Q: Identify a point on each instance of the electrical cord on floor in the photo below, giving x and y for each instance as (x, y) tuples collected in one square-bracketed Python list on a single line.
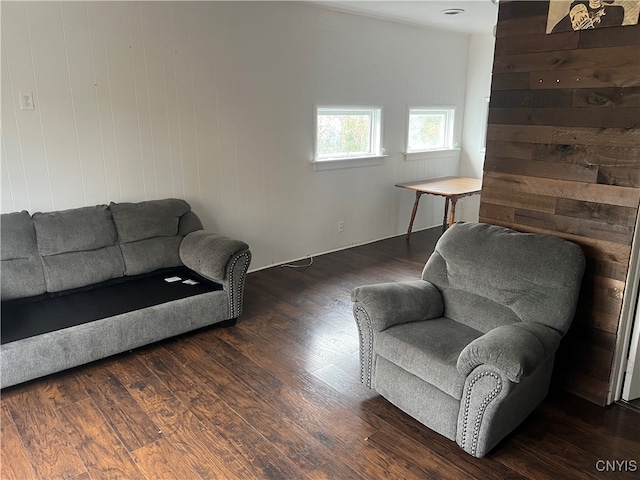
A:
[(290, 265)]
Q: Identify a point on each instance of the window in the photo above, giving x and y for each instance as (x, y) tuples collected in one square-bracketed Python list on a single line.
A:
[(430, 129), (344, 133)]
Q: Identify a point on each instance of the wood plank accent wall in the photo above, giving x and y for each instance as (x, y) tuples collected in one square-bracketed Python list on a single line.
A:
[(563, 158)]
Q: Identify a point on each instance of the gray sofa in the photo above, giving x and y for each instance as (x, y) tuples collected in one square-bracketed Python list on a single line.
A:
[(468, 349), (82, 284)]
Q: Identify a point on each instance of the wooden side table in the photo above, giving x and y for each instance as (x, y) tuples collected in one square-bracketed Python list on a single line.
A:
[(451, 188)]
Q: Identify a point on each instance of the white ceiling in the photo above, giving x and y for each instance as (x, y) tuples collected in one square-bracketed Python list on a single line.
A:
[(479, 16)]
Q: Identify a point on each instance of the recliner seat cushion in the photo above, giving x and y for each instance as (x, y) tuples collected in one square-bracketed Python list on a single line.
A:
[(429, 350)]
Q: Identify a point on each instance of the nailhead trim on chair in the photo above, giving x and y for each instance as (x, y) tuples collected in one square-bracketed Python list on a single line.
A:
[(365, 376), (483, 406), (234, 309)]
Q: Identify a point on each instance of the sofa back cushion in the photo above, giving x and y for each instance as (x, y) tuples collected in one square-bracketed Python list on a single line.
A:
[(150, 233), (22, 274), (78, 247), (62, 250), (491, 276)]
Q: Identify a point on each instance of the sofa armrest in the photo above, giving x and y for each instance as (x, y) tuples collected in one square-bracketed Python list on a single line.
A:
[(516, 349), (389, 304), (209, 254)]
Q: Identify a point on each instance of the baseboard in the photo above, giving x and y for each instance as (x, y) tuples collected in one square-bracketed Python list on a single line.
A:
[(346, 247)]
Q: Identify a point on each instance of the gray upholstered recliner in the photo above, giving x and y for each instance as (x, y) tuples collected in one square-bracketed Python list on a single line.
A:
[(468, 350)]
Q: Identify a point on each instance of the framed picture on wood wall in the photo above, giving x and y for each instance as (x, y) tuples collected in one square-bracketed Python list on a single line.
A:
[(570, 15)]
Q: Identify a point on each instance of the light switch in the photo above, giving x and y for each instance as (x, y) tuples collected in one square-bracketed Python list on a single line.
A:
[(26, 101)]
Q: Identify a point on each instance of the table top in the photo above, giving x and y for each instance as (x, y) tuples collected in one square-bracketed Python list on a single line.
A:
[(447, 186)]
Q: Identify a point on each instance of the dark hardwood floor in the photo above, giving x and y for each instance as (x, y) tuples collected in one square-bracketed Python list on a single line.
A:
[(277, 396)]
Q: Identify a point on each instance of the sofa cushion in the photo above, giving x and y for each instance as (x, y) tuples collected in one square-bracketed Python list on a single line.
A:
[(151, 254), (75, 230), (22, 274), (150, 233), (22, 277), (189, 222), (77, 269), (17, 236), (429, 349), (154, 218), (78, 247)]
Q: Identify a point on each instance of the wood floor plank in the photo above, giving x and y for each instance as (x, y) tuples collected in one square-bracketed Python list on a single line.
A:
[(206, 451), (162, 407), (402, 449), (338, 429), (263, 409), (197, 445), (191, 392), (82, 476), (14, 463), (259, 343), (161, 460), (282, 431), (45, 440), (131, 423), (563, 456), (335, 431), (64, 389), (583, 421), (101, 450), (295, 403), (256, 451)]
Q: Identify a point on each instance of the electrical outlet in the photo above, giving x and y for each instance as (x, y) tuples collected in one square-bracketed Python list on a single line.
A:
[(26, 101), (341, 226)]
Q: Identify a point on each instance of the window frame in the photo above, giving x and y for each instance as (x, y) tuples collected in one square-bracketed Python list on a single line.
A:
[(374, 156), (450, 118)]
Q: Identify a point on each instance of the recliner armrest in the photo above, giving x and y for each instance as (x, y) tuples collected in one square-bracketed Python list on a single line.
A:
[(389, 304), (516, 349), (209, 253)]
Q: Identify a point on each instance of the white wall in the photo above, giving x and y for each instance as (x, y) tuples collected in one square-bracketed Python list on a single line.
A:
[(481, 47), (213, 102)]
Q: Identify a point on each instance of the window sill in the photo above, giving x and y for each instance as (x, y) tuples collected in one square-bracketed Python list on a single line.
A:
[(348, 162), (428, 154)]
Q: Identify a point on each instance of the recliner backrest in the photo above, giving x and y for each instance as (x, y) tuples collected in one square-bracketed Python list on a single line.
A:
[(491, 276)]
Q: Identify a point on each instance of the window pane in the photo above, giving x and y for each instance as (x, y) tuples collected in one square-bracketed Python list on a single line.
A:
[(344, 134), (427, 131)]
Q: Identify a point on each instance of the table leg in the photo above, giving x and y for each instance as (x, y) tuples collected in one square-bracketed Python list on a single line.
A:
[(446, 212), (413, 213), (452, 217)]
